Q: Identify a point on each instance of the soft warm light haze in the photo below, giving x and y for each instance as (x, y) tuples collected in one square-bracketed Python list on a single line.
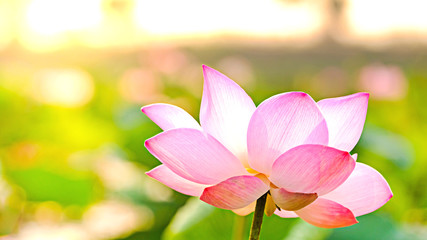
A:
[(46, 25)]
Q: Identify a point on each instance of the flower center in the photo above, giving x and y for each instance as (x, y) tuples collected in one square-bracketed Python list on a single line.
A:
[(280, 198), (252, 171)]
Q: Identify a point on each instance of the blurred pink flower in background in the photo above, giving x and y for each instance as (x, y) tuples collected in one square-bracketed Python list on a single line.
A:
[(140, 86), (383, 82), (168, 60), (295, 149)]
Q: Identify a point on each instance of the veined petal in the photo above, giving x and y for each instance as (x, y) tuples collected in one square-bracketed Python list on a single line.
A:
[(164, 175), (283, 122), (345, 117), (363, 192), (327, 214), (285, 214), (291, 201), (236, 192), (312, 169), (168, 116), (194, 155), (225, 111)]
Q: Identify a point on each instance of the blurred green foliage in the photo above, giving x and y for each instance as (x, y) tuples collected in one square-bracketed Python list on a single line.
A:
[(81, 156)]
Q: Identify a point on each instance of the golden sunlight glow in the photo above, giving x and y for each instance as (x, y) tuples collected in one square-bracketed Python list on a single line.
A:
[(63, 87), (53, 24), (48, 17), (6, 27), (261, 17), (46, 25), (380, 17)]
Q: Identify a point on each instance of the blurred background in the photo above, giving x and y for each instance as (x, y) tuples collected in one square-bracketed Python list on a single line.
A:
[(74, 74)]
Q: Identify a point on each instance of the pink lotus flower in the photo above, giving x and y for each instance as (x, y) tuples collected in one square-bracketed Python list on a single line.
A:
[(289, 145)]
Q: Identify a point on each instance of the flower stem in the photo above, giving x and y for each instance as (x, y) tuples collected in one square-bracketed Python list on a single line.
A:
[(258, 215)]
